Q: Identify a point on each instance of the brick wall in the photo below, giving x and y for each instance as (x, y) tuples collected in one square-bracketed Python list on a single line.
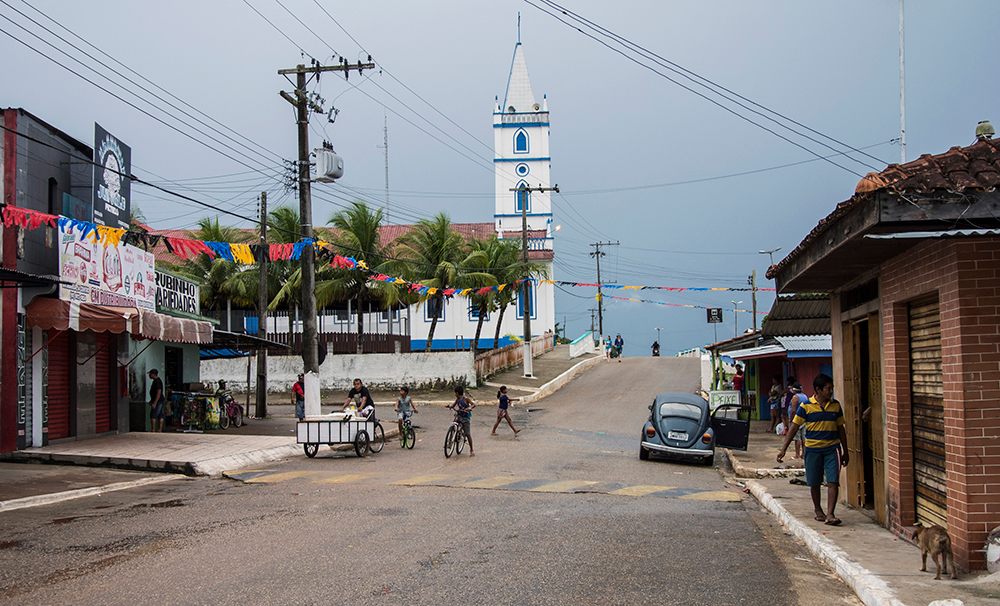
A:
[(965, 274)]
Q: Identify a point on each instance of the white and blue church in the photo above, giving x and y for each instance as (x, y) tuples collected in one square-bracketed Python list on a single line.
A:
[(521, 160)]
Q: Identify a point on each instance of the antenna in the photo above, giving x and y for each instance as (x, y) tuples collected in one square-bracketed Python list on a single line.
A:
[(902, 88), (519, 26)]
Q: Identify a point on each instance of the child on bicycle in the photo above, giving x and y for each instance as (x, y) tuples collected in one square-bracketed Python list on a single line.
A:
[(463, 406), (404, 407), (503, 402)]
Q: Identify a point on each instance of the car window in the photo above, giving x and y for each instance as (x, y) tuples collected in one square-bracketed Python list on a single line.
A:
[(677, 409)]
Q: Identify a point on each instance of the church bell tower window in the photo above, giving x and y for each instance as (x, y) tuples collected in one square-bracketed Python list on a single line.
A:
[(520, 141)]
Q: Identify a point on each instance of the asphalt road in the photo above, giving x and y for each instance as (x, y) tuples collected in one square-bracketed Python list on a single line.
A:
[(565, 513)]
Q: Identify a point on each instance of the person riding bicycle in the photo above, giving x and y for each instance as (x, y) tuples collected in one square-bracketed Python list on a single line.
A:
[(404, 407), (361, 399), (463, 406)]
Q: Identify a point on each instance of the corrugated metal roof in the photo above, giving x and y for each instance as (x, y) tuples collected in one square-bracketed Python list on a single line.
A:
[(806, 343), (755, 352), (798, 315), (950, 233)]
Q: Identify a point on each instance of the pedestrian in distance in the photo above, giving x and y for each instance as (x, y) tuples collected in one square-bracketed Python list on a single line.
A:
[(404, 407), (607, 347), (463, 406), (798, 398), (619, 345), (157, 412), (825, 446), (503, 402), (775, 404), (299, 397)]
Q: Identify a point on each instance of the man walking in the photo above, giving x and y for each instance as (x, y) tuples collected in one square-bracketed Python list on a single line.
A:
[(156, 401), (825, 445), (299, 397)]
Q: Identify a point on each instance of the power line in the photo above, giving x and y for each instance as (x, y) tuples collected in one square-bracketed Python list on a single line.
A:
[(277, 29)]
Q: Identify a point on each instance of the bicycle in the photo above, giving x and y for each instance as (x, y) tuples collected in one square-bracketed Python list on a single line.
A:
[(407, 437), (455, 439), (231, 411), (377, 441)]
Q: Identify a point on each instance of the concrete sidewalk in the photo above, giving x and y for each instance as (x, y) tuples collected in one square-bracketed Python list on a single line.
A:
[(759, 460), (882, 568)]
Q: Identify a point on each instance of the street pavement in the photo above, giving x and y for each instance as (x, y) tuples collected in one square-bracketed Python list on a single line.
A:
[(563, 513)]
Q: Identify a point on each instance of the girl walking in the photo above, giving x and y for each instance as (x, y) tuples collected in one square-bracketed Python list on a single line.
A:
[(503, 402)]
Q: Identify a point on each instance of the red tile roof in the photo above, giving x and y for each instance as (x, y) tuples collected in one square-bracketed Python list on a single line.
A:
[(960, 169)]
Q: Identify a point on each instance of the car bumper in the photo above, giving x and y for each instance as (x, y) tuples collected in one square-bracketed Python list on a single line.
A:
[(691, 452)]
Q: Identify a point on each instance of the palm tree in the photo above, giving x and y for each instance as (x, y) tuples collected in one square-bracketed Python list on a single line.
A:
[(243, 284), (510, 267), (212, 274), (435, 255), (498, 255)]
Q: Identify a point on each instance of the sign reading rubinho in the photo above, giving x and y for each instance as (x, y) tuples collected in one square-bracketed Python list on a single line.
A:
[(179, 294)]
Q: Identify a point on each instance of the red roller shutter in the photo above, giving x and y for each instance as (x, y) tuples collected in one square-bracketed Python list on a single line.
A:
[(60, 361), (103, 393)]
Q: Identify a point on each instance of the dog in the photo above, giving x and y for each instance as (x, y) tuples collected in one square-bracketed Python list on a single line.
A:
[(934, 540)]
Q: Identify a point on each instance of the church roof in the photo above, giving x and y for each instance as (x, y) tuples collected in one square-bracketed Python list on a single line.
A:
[(519, 94)]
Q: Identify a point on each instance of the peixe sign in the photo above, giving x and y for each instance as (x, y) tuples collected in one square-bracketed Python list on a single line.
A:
[(718, 398), (112, 187), (177, 293), (119, 276)]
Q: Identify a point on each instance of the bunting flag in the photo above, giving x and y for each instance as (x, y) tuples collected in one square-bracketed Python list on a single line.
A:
[(666, 304)]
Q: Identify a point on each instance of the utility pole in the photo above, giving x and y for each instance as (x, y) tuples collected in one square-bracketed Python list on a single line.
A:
[(753, 294), (385, 148), (303, 104), (523, 196), (262, 300), (902, 87), (597, 254)]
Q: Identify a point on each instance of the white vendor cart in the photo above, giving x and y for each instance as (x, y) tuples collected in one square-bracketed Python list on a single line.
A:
[(340, 428)]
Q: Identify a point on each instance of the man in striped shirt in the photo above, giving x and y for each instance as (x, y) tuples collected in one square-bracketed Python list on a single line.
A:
[(825, 445)]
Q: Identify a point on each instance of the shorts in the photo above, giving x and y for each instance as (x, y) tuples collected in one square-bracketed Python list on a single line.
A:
[(157, 412), (466, 426), (501, 413), (822, 464), (404, 416)]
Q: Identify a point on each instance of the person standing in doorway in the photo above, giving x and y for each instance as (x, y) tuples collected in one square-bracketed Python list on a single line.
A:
[(738, 383), (825, 446), (299, 397), (156, 401), (503, 403)]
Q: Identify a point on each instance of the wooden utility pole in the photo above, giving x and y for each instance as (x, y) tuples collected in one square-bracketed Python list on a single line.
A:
[(597, 254), (753, 295), (262, 301), (303, 104), (523, 196)]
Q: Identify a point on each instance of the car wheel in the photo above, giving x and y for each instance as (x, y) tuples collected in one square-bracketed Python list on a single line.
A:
[(708, 461), (643, 454)]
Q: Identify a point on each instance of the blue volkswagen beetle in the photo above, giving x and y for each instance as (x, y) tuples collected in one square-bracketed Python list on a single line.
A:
[(683, 425)]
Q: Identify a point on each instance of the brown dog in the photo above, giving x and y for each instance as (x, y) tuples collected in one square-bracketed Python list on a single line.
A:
[(934, 540)]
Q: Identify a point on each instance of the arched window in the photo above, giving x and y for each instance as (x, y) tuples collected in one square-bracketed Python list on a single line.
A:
[(521, 141), (522, 197), (526, 304)]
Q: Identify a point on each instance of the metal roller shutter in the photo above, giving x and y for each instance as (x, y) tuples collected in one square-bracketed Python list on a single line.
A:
[(60, 360), (927, 397), (105, 357)]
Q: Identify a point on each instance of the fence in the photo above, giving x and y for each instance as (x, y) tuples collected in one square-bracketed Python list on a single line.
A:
[(491, 362)]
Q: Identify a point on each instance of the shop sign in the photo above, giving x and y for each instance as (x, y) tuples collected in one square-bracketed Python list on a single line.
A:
[(177, 293), (112, 188), (714, 315), (120, 276), (718, 398)]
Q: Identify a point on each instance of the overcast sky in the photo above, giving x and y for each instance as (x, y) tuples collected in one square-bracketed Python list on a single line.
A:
[(832, 66)]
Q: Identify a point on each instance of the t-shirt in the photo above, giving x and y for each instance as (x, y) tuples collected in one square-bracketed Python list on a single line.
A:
[(300, 393), (156, 390), (405, 405), (363, 392), (463, 408), (504, 401), (738, 382), (822, 423)]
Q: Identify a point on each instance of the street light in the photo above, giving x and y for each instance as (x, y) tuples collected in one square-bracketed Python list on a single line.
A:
[(736, 319), (658, 334), (770, 254)]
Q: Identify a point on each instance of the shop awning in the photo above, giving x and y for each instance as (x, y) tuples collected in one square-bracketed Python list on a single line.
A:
[(56, 314), (751, 353), (224, 339), (12, 278)]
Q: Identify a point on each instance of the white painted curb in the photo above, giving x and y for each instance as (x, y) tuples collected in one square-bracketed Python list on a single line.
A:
[(215, 467), (871, 589), (559, 382), (66, 495), (742, 471)]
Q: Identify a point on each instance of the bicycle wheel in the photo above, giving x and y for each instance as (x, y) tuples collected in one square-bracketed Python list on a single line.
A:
[(361, 443), (311, 449), (238, 421), (460, 441), (223, 419), (411, 437), (378, 439), (449, 442)]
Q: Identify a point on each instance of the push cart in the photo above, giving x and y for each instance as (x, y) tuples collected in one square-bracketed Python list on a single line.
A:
[(338, 428)]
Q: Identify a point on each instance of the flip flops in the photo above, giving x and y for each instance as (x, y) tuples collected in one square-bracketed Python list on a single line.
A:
[(820, 517), (832, 521)]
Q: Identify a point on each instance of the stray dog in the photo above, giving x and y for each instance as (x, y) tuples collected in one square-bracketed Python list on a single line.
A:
[(934, 540)]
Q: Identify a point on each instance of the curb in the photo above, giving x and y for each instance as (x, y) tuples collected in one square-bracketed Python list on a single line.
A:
[(66, 495), (559, 382), (870, 588), (743, 471)]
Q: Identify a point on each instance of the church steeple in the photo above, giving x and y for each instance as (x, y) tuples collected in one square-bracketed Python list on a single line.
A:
[(519, 95)]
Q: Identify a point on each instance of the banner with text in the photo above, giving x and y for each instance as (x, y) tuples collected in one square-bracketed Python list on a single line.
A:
[(117, 275)]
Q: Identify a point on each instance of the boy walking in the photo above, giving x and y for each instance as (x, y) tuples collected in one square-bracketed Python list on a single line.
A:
[(825, 445), (503, 402), (463, 406)]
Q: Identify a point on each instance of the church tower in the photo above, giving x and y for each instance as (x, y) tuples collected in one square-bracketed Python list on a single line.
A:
[(521, 156)]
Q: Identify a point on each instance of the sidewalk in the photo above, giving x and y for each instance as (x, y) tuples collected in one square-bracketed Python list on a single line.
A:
[(881, 568), (759, 461)]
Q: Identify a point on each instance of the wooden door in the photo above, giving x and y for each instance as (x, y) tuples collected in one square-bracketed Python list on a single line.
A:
[(855, 489), (927, 399), (876, 426)]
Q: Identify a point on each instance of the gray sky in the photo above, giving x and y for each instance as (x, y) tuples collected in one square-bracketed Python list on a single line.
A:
[(831, 66)]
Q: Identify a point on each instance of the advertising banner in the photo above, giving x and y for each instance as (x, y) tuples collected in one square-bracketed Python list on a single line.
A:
[(112, 190), (120, 276), (176, 293), (714, 315)]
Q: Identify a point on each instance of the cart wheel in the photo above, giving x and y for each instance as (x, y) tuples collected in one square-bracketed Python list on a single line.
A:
[(239, 417), (361, 443), (459, 442), (449, 442), (411, 438), (223, 420), (378, 439), (311, 449)]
